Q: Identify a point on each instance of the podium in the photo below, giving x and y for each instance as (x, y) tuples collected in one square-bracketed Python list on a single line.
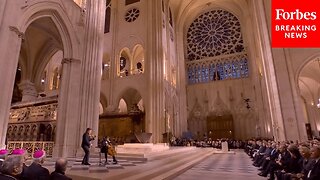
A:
[(224, 146)]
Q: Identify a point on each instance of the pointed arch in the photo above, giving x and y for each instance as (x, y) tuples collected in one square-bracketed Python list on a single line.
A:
[(131, 96), (57, 14), (138, 58), (124, 62)]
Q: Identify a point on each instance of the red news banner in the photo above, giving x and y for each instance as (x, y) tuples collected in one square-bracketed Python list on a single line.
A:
[(295, 23)]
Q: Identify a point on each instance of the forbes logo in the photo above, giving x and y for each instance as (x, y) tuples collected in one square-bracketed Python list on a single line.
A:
[(281, 14)]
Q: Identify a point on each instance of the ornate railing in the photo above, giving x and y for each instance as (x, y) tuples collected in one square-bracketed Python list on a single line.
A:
[(32, 146)]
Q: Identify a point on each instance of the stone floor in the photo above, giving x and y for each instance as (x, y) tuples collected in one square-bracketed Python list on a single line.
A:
[(223, 166), (177, 163)]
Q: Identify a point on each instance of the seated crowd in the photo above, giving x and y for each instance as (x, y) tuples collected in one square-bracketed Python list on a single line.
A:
[(207, 142), (285, 160), (13, 166)]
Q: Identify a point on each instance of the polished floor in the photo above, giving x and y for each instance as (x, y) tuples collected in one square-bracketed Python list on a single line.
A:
[(223, 166), (176, 163)]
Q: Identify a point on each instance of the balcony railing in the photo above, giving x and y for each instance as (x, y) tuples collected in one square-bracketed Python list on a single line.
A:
[(32, 146)]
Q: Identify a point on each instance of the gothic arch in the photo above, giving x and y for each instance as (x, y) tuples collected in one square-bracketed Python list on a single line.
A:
[(124, 62), (188, 12), (303, 64), (138, 59), (131, 41), (123, 106), (131, 96), (57, 14), (194, 8)]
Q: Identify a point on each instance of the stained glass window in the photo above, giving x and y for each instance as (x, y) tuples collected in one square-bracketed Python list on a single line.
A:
[(212, 72), (215, 34)]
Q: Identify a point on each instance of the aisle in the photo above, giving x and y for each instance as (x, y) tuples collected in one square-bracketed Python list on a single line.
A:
[(223, 166)]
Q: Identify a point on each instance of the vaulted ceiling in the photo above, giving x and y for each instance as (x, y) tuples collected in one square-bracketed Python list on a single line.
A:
[(42, 40), (309, 82)]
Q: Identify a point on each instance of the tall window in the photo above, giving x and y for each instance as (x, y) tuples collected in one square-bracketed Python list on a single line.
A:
[(131, 1), (215, 38), (107, 17), (170, 17), (55, 81)]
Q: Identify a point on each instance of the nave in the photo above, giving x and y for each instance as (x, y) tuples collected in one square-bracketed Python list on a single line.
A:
[(178, 163)]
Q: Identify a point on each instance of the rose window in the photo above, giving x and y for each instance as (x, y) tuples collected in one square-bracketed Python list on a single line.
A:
[(132, 15), (214, 33)]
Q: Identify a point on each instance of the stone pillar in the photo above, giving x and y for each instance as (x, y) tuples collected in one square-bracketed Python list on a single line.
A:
[(182, 117), (155, 115), (66, 143), (28, 89), (10, 44), (293, 119), (91, 67), (264, 46)]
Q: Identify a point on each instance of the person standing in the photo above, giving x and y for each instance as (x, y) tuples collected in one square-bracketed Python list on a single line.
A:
[(86, 138)]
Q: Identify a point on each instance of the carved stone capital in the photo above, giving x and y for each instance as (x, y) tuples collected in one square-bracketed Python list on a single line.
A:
[(16, 30), (69, 60)]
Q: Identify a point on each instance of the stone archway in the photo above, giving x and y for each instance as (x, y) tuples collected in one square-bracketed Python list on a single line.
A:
[(308, 84), (34, 17), (125, 122)]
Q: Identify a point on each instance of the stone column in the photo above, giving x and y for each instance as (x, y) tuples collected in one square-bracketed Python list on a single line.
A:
[(263, 42), (182, 120), (28, 89), (293, 117), (66, 143), (10, 44), (91, 67), (155, 115), (112, 100)]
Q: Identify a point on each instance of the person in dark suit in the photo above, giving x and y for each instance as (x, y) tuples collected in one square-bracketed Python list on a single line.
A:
[(11, 168), (86, 138), (314, 173), (269, 158), (306, 163), (35, 171), (293, 165), (60, 169)]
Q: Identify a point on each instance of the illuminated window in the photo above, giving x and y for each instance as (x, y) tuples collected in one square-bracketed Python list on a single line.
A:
[(215, 38)]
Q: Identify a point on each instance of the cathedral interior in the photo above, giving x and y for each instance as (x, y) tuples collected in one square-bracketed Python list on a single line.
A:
[(143, 71)]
